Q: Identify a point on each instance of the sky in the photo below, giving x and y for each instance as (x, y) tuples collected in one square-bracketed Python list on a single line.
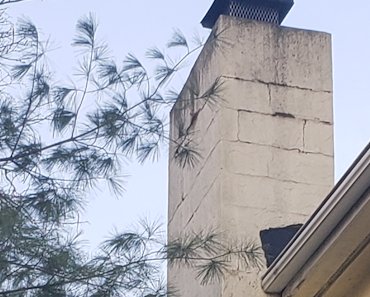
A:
[(135, 25)]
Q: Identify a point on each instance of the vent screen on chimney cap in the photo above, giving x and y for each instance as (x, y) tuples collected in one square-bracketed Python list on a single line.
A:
[(271, 11)]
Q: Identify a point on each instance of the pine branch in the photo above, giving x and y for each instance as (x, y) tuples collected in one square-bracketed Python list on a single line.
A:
[(5, 2), (50, 146), (30, 98), (87, 30), (44, 184)]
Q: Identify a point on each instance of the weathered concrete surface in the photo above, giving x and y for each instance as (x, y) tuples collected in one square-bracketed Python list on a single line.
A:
[(266, 146)]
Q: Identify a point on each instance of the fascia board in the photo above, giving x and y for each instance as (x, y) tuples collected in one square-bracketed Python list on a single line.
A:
[(333, 258)]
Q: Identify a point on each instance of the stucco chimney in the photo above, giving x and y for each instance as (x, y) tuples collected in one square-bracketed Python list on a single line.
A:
[(266, 145)]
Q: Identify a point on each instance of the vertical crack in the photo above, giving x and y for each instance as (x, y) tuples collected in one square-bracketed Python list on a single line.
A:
[(270, 95), (202, 200), (304, 134), (183, 198), (238, 126)]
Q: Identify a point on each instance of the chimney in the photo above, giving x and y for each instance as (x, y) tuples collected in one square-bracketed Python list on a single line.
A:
[(266, 144)]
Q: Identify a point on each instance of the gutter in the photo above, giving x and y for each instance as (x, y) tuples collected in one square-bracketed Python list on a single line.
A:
[(344, 196)]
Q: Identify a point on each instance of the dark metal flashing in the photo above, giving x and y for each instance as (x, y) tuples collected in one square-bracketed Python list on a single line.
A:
[(262, 10), (275, 240)]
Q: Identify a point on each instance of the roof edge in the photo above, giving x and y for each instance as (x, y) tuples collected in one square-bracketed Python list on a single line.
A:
[(336, 205)]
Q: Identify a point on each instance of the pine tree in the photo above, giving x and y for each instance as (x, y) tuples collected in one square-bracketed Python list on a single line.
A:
[(111, 112)]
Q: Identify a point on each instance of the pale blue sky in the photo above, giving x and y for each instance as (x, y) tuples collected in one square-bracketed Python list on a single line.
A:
[(133, 26)]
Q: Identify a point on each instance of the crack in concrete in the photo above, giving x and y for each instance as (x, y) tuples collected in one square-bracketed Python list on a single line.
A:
[(282, 148), (284, 115), (210, 124), (238, 132), (304, 134), (183, 198), (201, 200), (276, 84), (277, 210), (270, 95), (205, 162), (279, 179), (195, 179)]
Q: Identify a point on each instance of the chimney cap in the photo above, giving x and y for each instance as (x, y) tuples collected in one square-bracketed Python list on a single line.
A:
[(273, 11)]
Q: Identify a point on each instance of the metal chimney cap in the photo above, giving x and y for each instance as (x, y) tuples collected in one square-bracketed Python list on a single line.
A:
[(273, 11)]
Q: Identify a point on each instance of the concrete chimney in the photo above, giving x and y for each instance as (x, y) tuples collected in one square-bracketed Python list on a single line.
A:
[(266, 145)]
